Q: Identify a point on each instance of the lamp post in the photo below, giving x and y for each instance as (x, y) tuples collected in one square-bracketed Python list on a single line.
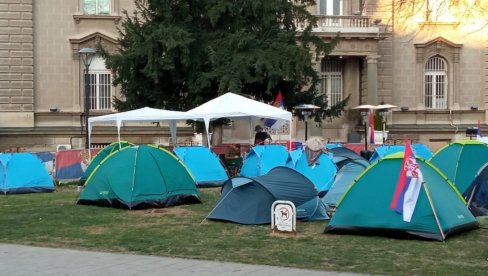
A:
[(87, 55), (383, 109), (306, 110)]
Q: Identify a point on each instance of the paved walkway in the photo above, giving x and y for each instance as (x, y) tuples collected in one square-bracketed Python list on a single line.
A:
[(16, 260)]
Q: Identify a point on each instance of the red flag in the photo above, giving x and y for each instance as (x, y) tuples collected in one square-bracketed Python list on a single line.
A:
[(371, 127), (272, 123)]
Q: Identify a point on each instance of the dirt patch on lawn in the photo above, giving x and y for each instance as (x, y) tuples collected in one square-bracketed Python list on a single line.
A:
[(160, 212), (97, 230)]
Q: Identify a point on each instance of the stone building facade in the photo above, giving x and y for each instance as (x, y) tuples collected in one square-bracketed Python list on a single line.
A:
[(434, 70), (430, 63)]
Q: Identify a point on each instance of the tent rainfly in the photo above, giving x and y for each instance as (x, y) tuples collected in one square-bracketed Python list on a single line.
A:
[(460, 161)]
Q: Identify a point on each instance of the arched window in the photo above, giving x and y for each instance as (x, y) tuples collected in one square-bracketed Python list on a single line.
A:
[(435, 83), (100, 85), (331, 80)]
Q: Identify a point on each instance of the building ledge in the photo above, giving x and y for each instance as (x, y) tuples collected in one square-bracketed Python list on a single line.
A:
[(79, 17)]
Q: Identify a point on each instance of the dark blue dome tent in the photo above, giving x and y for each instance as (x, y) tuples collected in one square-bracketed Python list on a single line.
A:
[(342, 155), (477, 193), (248, 200)]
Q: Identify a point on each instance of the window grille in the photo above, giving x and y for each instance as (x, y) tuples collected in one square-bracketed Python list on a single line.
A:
[(100, 91), (435, 83), (331, 80)]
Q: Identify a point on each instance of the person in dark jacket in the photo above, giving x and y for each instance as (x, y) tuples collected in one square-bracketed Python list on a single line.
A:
[(261, 136)]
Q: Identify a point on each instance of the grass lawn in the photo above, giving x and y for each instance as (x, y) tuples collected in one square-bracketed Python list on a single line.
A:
[(54, 220)]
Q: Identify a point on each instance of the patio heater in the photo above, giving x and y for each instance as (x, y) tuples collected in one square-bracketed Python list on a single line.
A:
[(365, 109), (306, 110), (383, 110)]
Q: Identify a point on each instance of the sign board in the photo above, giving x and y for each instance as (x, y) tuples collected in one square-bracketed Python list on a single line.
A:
[(283, 216)]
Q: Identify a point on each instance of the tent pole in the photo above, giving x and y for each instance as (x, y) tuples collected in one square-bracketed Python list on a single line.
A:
[(207, 127), (118, 134), (433, 210), (468, 202), (289, 135), (250, 131), (220, 201), (89, 141)]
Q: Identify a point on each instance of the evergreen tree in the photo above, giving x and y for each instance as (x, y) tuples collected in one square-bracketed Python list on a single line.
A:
[(178, 54)]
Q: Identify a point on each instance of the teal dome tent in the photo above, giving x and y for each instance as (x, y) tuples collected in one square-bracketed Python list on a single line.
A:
[(140, 177), (365, 206)]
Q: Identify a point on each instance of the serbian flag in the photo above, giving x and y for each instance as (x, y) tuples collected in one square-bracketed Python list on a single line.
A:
[(371, 127), (408, 188), (478, 133), (273, 123)]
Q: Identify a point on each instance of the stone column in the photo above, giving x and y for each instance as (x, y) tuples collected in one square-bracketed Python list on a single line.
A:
[(372, 79)]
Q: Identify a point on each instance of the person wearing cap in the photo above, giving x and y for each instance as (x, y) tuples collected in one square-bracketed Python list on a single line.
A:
[(261, 136)]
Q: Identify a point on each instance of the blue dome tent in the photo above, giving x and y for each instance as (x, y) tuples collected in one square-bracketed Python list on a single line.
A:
[(22, 173), (203, 164), (262, 158)]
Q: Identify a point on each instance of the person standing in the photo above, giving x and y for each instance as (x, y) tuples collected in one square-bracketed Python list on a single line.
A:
[(261, 136)]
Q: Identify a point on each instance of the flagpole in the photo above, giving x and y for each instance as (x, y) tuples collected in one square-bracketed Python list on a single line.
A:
[(433, 210)]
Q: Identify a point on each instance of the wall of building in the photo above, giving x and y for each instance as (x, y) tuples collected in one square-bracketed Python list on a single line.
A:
[(464, 45), (41, 87), (16, 64)]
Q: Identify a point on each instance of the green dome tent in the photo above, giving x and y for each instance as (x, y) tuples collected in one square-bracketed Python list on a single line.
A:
[(365, 206), (460, 161), (140, 177), (101, 155)]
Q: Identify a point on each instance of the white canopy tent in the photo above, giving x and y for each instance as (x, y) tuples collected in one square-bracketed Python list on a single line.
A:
[(231, 105), (145, 114)]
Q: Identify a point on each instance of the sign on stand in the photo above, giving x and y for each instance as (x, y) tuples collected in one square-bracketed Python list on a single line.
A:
[(283, 216)]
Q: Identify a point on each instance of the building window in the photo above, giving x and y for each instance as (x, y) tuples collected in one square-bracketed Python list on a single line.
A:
[(96, 7), (435, 83), (100, 96), (331, 80), (330, 7)]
